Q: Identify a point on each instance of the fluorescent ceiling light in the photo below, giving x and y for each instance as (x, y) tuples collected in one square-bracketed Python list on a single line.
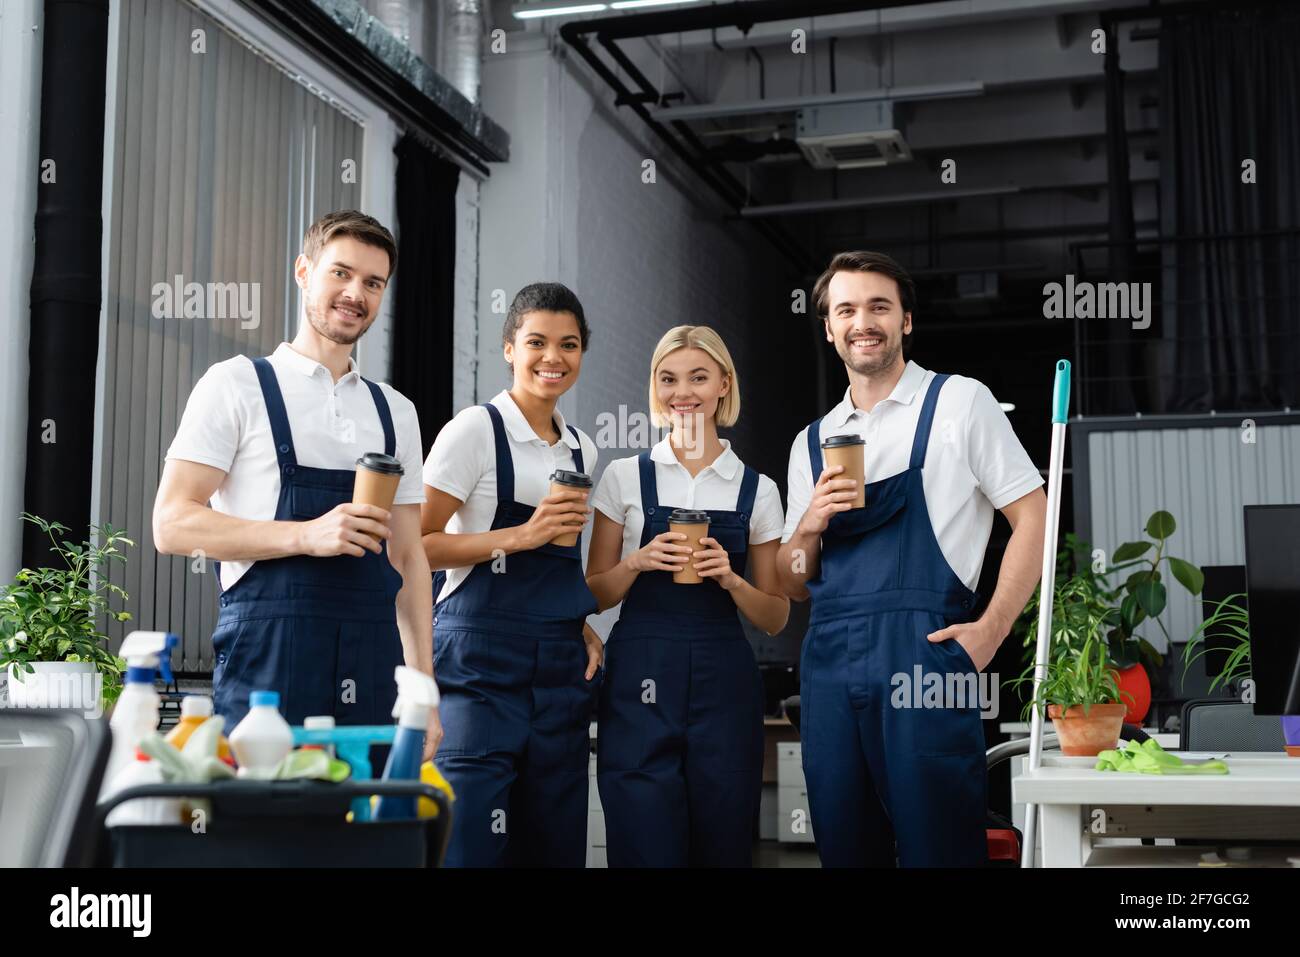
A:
[(1007, 406), (633, 4), (532, 11)]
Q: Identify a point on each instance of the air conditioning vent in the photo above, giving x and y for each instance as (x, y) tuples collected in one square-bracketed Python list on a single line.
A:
[(850, 136)]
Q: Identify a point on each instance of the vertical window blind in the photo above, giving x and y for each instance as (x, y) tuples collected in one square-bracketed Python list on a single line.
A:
[(221, 159)]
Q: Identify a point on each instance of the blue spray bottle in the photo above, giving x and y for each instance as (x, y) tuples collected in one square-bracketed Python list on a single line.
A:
[(417, 695)]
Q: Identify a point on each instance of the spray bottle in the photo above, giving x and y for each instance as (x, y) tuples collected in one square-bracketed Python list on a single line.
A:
[(417, 695), (137, 710)]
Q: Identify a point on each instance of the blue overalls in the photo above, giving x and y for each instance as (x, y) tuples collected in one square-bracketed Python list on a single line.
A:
[(876, 773), (516, 706), (680, 742), (320, 631)]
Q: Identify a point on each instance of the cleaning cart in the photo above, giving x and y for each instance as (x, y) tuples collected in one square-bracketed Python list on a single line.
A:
[(296, 823)]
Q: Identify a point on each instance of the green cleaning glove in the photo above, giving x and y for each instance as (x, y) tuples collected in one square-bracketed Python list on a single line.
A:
[(1149, 758)]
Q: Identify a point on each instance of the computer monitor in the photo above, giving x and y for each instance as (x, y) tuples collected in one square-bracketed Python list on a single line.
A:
[(1273, 587)]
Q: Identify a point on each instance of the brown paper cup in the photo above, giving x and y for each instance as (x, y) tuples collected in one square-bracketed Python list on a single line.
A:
[(693, 532), (568, 538), (853, 458), (372, 487)]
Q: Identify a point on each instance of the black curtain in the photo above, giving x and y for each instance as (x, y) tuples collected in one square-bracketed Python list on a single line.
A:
[(423, 356), (1117, 393), (1230, 91)]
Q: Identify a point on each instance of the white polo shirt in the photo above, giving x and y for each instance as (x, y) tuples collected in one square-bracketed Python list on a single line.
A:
[(463, 464), (973, 466), (226, 425), (717, 486)]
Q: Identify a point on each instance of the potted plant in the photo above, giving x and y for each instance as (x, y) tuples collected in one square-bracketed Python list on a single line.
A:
[(1080, 694), (1231, 619), (1144, 597), (50, 642)]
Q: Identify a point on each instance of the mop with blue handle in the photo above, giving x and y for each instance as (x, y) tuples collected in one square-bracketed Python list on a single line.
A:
[(1047, 591)]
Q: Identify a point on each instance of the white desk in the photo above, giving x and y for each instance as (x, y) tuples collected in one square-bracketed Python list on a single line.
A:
[(1078, 804), (1015, 730)]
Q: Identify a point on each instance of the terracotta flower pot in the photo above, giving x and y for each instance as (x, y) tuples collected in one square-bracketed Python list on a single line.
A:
[(1082, 736)]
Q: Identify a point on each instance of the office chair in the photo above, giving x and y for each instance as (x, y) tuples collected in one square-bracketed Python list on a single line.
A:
[(51, 766), (1225, 724)]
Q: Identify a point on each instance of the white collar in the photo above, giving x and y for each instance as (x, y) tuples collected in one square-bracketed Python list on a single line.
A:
[(725, 465), (518, 426), (293, 359), (904, 391)]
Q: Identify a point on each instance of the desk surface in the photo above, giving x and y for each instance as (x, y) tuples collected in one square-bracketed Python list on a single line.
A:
[(1259, 779)]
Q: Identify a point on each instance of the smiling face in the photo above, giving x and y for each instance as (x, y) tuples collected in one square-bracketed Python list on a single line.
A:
[(865, 321), (546, 353), (689, 384), (343, 288)]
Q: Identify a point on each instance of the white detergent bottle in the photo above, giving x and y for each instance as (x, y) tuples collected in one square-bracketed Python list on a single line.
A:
[(143, 770), (137, 710), (263, 738)]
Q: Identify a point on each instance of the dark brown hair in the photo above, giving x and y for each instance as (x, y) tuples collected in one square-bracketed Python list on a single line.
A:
[(349, 222), (549, 297), (865, 261)]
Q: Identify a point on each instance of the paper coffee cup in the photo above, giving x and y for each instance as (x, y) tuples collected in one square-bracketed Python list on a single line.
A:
[(376, 480), (849, 451), (695, 526), (564, 481)]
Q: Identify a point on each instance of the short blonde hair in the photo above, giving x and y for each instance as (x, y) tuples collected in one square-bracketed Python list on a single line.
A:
[(709, 342)]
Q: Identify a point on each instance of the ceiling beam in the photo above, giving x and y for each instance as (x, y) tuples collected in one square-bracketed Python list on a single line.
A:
[(786, 104)]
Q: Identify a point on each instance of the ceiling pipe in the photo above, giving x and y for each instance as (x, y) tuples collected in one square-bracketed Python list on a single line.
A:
[(680, 139), (742, 15)]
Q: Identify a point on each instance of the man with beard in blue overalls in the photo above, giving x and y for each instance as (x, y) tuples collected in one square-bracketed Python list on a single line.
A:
[(320, 598), (898, 778)]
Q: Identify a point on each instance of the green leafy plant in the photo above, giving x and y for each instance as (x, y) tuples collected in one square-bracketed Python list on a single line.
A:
[(52, 614), (1082, 608), (1071, 560), (1084, 676), (1231, 618), (1144, 592), (1141, 596)]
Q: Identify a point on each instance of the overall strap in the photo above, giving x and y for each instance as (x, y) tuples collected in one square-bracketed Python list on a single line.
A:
[(274, 400), (748, 492), (385, 417), (577, 451), (649, 494), (505, 463), (921, 441), (815, 449)]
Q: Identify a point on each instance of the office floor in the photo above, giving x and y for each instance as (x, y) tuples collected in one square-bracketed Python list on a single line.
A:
[(775, 854)]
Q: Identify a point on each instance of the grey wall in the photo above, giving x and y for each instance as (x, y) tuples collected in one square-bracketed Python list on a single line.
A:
[(643, 257)]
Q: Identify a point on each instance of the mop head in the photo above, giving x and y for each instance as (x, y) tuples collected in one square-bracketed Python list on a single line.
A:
[(1149, 758)]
